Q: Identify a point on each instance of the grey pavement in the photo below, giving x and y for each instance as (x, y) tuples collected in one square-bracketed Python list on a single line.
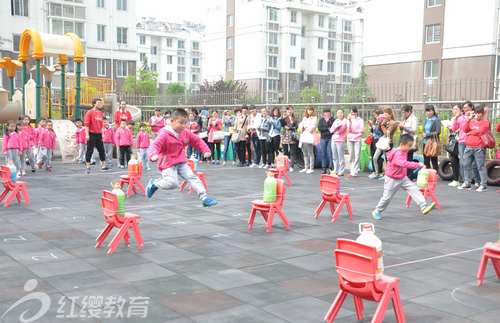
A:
[(205, 264)]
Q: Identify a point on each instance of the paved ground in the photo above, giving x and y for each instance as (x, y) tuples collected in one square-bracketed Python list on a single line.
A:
[(205, 265)]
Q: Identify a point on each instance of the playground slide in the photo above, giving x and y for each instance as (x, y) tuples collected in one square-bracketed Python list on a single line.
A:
[(112, 105), (8, 110)]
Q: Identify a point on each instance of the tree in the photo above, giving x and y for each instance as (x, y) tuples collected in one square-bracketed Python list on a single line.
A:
[(176, 88), (307, 95), (221, 92), (359, 89), (144, 82)]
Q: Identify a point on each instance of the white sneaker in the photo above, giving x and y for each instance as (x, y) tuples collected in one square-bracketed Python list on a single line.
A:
[(303, 170), (291, 169), (481, 189), (454, 183), (262, 166), (309, 171), (266, 166), (254, 165)]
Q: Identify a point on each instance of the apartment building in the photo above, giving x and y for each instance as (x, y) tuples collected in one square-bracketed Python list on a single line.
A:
[(105, 27), (173, 50)]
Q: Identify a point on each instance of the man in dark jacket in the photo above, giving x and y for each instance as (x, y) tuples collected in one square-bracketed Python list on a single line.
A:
[(324, 125)]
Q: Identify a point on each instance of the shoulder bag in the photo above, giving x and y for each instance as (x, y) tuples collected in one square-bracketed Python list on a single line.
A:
[(432, 147), (235, 137), (369, 140), (488, 140), (384, 143), (203, 135), (306, 137), (452, 144), (269, 139)]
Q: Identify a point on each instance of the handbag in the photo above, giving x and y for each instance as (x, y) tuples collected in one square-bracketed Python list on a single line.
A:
[(203, 134), (384, 143), (498, 152), (488, 140), (295, 136), (306, 137), (414, 147), (269, 139), (218, 135), (235, 137), (432, 147), (369, 140), (231, 130), (452, 144)]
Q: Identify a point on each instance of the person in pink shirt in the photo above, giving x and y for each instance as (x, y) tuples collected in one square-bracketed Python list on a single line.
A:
[(125, 141), (42, 123), (23, 147), (30, 131), (214, 124), (355, 126), (156, 122), (339, 130), (456, 123), (47, 143), (142, 143), (81, 141), (169, 150), (108, 137), (12, 145), (308, 125)]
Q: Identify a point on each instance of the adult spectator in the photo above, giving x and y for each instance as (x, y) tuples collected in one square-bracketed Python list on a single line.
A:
[(431, 131), (93, 134), (156, 122), (290, 125), (324, 125), (241, 126), (255, 121), (409, 125), (122, 114), (355, 126)]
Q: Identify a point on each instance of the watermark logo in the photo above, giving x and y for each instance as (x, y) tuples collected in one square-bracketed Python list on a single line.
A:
[(42, 297)]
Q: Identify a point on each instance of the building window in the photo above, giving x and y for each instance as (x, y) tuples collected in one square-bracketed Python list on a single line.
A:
[(121, 5), (293, 16), (292, 86), (293, 40), (272, 85), (181, 44), (121, 35), (320, 65), (169, 76), (229, 64), (196, 62), (347, 26), (320, 43), (100, 3), (195, 78), (346, 47), (434, 3), (18, 78), (180, 61), (332, 23), (303, 31), (292, 63), (154, 67), (433, 34), (273, 14), (142, 56), (321, 21), (169, 59), (302, 53), (169, 42), (303, 76), (331, 45), (331, 67), (181, 77), (101, 33), (273, 39), (61, 27), (230, 20), (66, 11), (229, 42), (196, 45), (16, 39), (431, 69), (273, 62), (142, 40), (19, 8), (346, 68), (330, 88), (121, 69), (101, 67), (154, 50)]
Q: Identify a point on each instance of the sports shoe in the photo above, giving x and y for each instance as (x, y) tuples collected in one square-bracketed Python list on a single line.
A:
[(92, 163), (148, 168), (213, 162), (208, 202), (87, 171), (105, 168), (303, 170), (234, 163), (49, 169), (224, 163), (428, 208), (23, 173), (381, 178), (33, 170), (262, 166), (290, 169), (464, 187), (482, 189), (217, 163), (309, 171), (340, 174), (266, 166), (40, 165), (18, 175), (376, 215), (110, 164), (151, 188), (254, 165), (79, 162), (454, 183), (350, 175), (373, 176), (333, 173)]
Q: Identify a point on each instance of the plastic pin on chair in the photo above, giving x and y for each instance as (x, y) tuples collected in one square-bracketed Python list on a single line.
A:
[(356, 265), (268, 209), (132, 182), (429, 190), (129, 221), (15, 188), (330, 192), (201, 176), (282, 171)]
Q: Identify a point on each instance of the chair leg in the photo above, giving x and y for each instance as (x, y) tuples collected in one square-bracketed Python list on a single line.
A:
[(336, 305), (182, 186), (270, 218), (251, 218), (378, 317), (283, 218), (496, 266), (320, 208), (408, 201), (4, 194), (137, 234), (349, 208), (433, 197), (104, 234), (482, 268), (359, 306), (130, 187), (339, 208), (25, 194), (398, 306), (14, 193), (287, 179), (139, 185)]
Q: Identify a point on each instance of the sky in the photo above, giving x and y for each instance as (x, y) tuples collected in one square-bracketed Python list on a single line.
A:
[(175, 10)]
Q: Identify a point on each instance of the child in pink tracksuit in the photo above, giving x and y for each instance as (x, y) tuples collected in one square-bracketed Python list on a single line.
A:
[(125, 141), (28, 131), (395, 178), (81, 141), (24, 144), (47, 143), (339, 130), (169, 150), (142, 143), (42, 123), (12, 145), (355, 126), (108, 137)]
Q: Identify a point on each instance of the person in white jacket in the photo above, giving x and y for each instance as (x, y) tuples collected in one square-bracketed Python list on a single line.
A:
[(308, 127), (255, 121), (409, 125)]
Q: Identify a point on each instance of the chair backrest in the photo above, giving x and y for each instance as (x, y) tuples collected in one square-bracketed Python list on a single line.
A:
[(432, 179), (108, 210), (7, 170), (280, 192), (330, 189), (328, 176), (5, 175), (354, 267), (356, 247)]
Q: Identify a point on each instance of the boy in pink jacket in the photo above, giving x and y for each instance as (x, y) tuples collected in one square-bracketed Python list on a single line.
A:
[(169, 149), (42, 123), (142, 143), (47, 144), (81, 142), (125, 141), (395, 178), (108, 137)]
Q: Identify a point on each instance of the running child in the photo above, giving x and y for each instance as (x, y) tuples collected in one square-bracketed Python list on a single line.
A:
[(142, 144), (30, 131), (12, 145), (47, 144), (81, 141), (395, 178), (169, 149), (124, 140), (108, 135)]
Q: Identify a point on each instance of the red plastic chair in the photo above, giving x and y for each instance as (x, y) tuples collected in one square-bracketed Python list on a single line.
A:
[(268, 209), (282, 172), (330, 193), (429, 190), (201, 176), (15, 188), (132, 182), (128, 221), (356, 265), (491, 251)]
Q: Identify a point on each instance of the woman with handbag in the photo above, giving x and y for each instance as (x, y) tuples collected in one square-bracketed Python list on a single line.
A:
[(275, 132), (324, 126), (356, 127), (387, 126), (339, 130), (192, 125), (409, 126), (455, 139), (241, 130), (202, 130), (375, 135), (431, 133), (290, 124), (214, 129), (265, 139), (308, 138), (228, 121)]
